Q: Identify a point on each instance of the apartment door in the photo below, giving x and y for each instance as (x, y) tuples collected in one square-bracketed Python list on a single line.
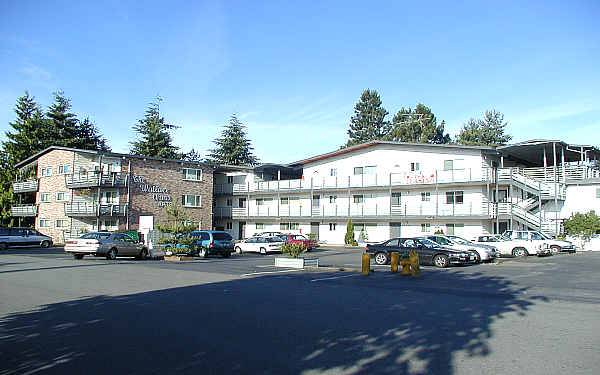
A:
[(316, 205), (395, 230), (242, 230), (314, 229), (242, 203)]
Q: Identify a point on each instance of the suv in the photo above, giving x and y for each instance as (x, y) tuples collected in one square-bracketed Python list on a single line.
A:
[(538, 237), (213, 242), (23, 237)]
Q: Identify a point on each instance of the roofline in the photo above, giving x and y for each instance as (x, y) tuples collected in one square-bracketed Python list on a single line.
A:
[(51, 148), (374, 143)]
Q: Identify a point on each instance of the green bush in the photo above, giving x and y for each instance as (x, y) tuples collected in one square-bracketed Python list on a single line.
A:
[(439, 231), (293, 250)]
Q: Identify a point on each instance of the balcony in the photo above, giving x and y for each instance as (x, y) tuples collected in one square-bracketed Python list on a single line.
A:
[(25, 186), (24, 210), (222, 212), (93, 179), (84, 209), (469, 175), (484, 210)]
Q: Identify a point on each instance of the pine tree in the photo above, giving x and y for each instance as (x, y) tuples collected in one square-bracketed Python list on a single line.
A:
[(89, 137), (6, 193), (368, 122), (488, 131), (349, 238), (155, 140), (417, 125), (193, 155), (233, 148), (62, 125)]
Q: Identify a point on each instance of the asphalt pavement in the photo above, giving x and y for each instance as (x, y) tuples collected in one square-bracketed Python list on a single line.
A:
[(242, 316)]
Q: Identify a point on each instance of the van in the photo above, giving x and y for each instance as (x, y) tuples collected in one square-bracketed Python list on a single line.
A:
[(22, 237), (213, 242)]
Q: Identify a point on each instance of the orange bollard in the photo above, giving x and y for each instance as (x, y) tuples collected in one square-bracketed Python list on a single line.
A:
[(415, 270), (395, 258), (366, 264)]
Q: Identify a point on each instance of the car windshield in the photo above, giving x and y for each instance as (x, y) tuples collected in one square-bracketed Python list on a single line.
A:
[(274, 239), (428, 243), (503, 238), (222, 236), (543, 236), (493, 239), (96, 236), (459, 240)]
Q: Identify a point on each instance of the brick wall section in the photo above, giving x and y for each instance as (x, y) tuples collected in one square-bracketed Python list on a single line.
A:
[(167, 175), (53, 210)]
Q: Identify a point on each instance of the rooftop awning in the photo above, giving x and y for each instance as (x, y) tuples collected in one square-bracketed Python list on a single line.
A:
[(531, 153)]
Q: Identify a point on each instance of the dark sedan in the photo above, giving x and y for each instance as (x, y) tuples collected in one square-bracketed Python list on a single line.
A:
[(429, 252)]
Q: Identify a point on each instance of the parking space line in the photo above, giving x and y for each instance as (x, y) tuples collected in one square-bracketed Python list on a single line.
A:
[(334, 277), (267, 272)]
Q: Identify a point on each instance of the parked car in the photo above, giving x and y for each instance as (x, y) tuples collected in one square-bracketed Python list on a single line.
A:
[(213, 242), (299, 239), (108, 244), (22, 237), (429, 252), (516, 248), (556, 246), (262, 245), (267, 234), (483, 253)]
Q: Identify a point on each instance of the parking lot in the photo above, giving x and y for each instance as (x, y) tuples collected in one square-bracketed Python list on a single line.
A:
[(241, 315)]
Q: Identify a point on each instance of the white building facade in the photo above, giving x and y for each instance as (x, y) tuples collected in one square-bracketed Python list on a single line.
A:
[(401, 189)]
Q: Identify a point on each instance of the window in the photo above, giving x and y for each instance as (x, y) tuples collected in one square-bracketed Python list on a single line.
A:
[(260, 225), (448, 165), (454, 229), (597, 192), (109, 224), (46, 172), (425, 228), (454, 197), (358, 170), (110, 197), (191, 200), (371, 169), (332, 227), (44, 223), (289, 226), (229, 202), (396, 199), (425, 196), (44, 197), (358, 198), (393, 243), (62, 196), (191, 174), (61, 223), (332, 198), (64, 169), (230, 179), (285, 201), (414, 167), (333, 172), (229, 225)]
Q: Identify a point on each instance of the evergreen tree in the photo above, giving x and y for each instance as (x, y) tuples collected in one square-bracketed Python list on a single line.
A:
[(29, 126), (349, 238), (155, 140), (193, 155), (233, 148), (368, 122), (418, 125), (488, 131), (89, 137), (62, 126), (6, 193)]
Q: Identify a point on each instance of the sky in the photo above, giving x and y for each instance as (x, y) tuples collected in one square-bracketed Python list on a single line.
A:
[(293, 70)]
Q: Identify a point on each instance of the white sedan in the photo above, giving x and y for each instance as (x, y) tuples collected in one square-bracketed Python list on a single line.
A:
[(261, 245), (516, 248)]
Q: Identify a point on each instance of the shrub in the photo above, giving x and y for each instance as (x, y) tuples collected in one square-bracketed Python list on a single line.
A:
[(349, 239), (293, 250), (439, 231)]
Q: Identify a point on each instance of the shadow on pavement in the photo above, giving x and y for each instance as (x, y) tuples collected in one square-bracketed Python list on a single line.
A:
[(284, 324)]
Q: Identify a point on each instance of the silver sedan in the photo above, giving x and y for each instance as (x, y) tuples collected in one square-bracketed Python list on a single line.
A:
[(108, 244)]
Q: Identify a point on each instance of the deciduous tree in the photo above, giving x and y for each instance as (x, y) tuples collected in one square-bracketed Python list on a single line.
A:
[(418, 125), (488, 131)]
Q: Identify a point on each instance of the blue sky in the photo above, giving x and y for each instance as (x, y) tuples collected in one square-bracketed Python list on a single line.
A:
[(293, 71)]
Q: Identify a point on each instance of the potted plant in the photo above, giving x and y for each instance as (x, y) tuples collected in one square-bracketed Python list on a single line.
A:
[(293, 259)]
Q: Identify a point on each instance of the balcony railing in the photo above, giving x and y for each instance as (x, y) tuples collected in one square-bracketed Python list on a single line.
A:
[(24, 210), (84, 209), (93, 179), (25, 186), (364, 210), (222, 212)]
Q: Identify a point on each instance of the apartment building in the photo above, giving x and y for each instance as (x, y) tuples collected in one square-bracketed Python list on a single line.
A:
[(64, 192), (402, 189)]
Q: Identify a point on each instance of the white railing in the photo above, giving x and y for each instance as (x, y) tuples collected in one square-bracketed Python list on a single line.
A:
[(25, 186), (23, 210)]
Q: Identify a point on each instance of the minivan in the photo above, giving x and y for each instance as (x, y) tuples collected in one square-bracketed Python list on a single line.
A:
[(22, 237), (213, 242)]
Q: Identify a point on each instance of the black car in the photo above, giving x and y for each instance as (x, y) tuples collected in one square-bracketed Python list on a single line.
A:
[(429, 252)]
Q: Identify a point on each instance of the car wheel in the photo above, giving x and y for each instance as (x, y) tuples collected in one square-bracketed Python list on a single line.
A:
[(555, 249), (381, 258), (143, 254), (78, 256), (3, 246), (238, 249), (441, 261), (45, 244), (263, 251), (519, 252), (203, 253), (112, 254), (225, 255), (477, 257)]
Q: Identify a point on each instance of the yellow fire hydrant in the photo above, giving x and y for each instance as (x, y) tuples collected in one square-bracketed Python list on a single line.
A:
[(414, 264), (395, 258), (366, 264)]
